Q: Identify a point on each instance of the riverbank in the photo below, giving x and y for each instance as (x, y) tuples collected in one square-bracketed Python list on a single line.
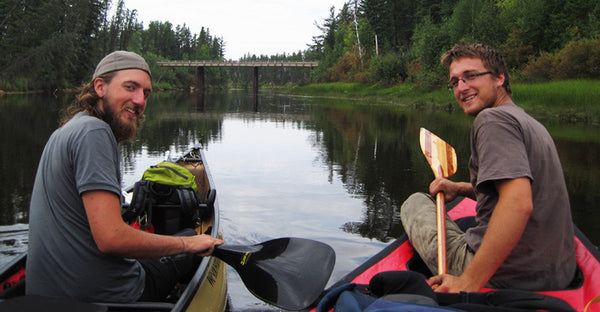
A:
[(572, 101), (569, 100)]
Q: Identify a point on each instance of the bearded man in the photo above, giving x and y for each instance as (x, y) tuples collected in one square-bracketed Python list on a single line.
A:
[(79, 245)]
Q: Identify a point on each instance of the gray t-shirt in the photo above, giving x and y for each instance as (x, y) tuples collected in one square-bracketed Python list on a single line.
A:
[(507, 143), (63, 259)]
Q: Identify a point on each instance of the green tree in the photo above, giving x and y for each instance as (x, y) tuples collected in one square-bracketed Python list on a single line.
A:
[(45, 44), (392, 20), (477, 20), (548, 25), (429, 41), (436, 10)]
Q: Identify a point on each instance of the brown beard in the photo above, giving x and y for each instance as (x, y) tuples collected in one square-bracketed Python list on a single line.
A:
[(122, 131)]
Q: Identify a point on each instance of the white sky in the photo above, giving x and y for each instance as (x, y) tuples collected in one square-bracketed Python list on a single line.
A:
[(260, 27)]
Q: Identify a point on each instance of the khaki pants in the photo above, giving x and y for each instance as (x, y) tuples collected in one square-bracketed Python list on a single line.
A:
[(418, 214)]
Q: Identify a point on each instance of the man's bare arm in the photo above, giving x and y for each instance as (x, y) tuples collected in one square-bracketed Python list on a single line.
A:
[(504, 231), (113, 236)]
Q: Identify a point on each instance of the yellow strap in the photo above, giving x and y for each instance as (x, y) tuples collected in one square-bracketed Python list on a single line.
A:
[(595, 300)]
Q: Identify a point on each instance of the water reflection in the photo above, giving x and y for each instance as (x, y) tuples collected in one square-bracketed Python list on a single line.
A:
[(373, 149), (377, 155), (26, 122)]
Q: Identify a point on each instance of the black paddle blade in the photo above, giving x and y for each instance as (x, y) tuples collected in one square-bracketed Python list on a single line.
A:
[(289, 273)]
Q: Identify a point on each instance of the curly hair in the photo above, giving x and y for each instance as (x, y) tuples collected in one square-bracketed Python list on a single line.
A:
[(492, 59), (86, 101)]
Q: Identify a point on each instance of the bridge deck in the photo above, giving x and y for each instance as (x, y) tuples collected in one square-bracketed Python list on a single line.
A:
[(237, 64)]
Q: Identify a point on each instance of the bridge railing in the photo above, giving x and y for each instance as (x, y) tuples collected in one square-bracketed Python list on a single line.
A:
[(310, 64)]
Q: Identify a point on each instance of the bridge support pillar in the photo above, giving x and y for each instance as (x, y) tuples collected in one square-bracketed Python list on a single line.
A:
[(255, 89), (199, 101), (200, 79), (255, 81)]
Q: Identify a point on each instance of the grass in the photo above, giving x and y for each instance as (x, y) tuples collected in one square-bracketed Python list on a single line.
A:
[(405, 94), (569, 100)]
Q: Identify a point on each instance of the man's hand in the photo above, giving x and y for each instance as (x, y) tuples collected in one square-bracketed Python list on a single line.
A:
[(446, 283), (451, 189), (201, 245)]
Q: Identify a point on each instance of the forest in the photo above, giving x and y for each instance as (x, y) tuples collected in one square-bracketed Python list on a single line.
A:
[(54, 44)]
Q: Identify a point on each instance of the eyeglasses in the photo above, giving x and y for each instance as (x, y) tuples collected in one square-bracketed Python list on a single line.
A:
[(453, 83)]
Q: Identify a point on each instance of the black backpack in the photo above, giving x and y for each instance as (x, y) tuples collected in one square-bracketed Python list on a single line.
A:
[(169, 205)]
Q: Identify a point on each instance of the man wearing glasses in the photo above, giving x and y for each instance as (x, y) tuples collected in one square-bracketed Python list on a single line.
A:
[(524, 235)]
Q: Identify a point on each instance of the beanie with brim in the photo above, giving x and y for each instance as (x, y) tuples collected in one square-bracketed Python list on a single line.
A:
[(120, 60)]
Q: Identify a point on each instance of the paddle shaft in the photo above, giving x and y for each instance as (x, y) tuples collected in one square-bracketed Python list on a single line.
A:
[(441, 229)]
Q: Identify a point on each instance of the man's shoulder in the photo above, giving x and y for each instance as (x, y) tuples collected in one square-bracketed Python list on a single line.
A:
[(508, 109), (83, 118), (83, 122), (84, 129), (508, 112)]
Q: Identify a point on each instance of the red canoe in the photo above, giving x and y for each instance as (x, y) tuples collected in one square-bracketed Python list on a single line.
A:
[(400, 255)]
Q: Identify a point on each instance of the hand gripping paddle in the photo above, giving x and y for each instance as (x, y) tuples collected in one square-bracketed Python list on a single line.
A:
[(289, 273), (442, 159)]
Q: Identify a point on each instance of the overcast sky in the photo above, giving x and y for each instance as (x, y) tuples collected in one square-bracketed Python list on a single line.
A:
[(260, 27)]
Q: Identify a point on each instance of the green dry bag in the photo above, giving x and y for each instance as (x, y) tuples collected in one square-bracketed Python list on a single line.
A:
[(169, 173)]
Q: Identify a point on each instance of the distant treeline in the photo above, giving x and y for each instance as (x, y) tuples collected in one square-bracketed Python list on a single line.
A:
[(393, 41), (50, 44), (55, 44)]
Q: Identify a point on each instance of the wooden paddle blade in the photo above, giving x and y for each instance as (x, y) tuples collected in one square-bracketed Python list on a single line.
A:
[(289, 273), (440, 155)]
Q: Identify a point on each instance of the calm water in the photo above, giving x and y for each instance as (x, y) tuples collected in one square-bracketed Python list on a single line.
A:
[(330, 170)]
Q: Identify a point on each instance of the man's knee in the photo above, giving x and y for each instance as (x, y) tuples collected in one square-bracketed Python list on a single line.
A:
[(418, 217), (414, 205)]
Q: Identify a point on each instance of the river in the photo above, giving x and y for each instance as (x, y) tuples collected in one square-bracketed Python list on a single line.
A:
[(332, 170)]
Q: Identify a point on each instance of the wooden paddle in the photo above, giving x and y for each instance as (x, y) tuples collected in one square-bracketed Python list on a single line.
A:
[(442, 159), (289, 273)]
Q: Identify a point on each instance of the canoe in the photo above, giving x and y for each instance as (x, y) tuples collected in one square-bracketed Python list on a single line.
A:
[(400, 255), (206, 291)]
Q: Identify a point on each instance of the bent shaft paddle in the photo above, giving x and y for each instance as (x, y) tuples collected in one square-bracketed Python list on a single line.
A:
[(289, 273), (442, 159)]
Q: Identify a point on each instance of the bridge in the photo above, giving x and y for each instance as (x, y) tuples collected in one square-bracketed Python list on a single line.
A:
[(199, 65), (309, 64)]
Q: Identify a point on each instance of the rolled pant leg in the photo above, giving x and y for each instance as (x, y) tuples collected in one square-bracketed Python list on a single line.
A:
[(418, 214)]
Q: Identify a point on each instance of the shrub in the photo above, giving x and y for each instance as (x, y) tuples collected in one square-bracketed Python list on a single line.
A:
[(348, 69), (579, 59), (515, 51), (576, 60), (425, 78), (539, 69), (388, 69)]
